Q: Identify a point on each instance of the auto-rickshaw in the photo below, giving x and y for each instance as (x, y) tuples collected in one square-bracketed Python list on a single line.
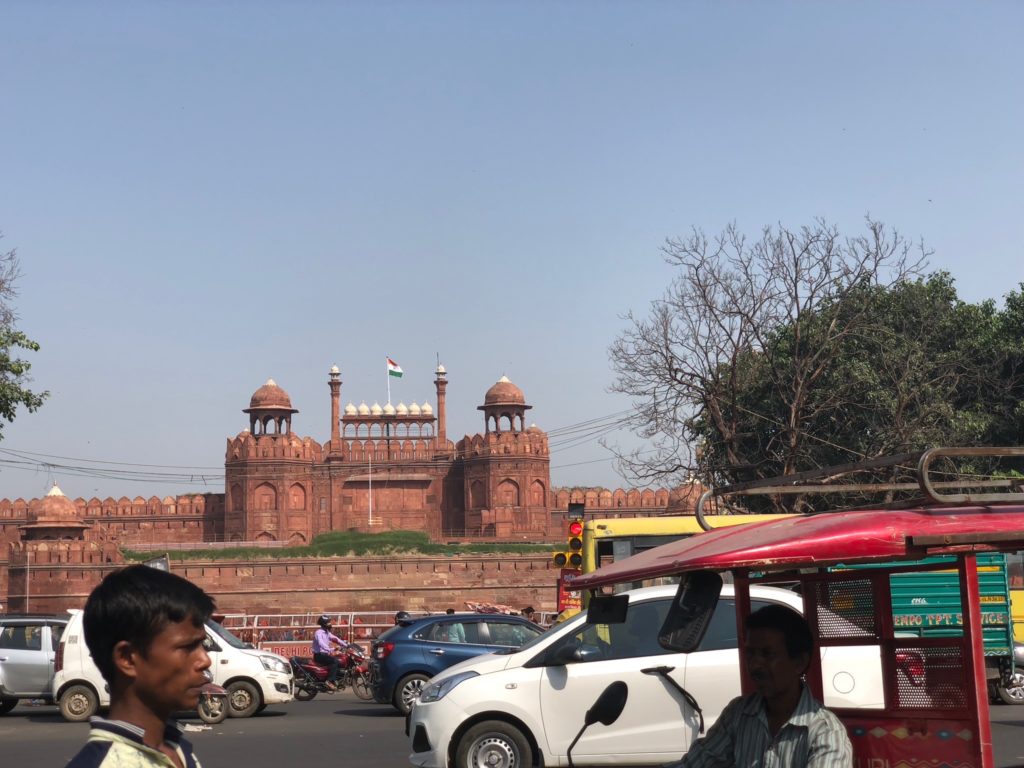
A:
[(935, 693)]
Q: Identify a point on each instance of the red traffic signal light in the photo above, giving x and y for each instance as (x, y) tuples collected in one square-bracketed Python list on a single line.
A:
[(575, 528)]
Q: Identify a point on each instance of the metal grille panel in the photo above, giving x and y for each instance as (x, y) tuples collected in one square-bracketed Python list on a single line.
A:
[(845, 609), (931, 678)]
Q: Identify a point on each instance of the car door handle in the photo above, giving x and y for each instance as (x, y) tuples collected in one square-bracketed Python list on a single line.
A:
[(3, 658), (437, 651), (224, 661)]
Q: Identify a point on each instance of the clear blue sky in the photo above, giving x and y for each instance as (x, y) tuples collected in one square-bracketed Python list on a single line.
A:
[(205, 195)]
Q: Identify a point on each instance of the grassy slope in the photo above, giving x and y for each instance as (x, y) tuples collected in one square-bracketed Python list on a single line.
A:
[(348, 544)]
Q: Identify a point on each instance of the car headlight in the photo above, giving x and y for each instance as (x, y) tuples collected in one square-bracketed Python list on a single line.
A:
[(274, 664), (437, 691)]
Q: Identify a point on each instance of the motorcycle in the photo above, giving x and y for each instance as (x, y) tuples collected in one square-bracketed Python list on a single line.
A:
[(1009, 687), (310, 678), (213, 704)]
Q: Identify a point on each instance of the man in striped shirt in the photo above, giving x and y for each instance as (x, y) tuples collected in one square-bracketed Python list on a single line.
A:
[(780, 725), (145, 631)]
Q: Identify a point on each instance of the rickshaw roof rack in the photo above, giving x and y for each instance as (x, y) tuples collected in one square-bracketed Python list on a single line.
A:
[(917, 463)]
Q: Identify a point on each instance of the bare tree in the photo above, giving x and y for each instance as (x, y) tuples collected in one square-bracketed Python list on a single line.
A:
[(739, 315)]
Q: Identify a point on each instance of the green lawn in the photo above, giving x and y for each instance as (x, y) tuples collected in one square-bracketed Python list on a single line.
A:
[(348, 544)]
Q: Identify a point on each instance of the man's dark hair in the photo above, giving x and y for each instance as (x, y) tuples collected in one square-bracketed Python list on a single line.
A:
[(791, 624), (135, 604)]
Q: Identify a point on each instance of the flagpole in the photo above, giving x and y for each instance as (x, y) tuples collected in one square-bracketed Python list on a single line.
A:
[(387, 373)]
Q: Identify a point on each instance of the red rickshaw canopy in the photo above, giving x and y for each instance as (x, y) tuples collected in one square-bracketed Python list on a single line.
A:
[(831, 538)]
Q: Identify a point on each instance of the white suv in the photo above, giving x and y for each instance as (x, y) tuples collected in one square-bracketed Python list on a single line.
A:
[(506, 711)]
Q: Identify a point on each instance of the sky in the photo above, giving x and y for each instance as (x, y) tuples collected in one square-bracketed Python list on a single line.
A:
[(205, 195)]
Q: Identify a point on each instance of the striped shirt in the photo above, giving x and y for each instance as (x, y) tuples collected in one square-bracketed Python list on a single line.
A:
[(117, 744), (740, 738)]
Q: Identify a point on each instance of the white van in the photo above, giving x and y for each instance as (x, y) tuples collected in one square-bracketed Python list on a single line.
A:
[(525, 707), (252, 678)]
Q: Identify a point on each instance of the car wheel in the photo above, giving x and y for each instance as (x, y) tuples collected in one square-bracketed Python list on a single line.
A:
[(6, 705), (78, 703), (493, 744), (1014, 693), (407, 691), (243, 699)]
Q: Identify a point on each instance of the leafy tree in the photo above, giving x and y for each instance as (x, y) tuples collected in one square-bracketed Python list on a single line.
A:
[(806, 351), (14, 371)]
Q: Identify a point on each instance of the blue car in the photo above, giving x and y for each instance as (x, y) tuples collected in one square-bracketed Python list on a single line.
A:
[(413, 651)]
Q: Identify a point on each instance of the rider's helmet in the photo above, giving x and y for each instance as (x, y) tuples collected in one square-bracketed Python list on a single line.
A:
[(401, 616), (324, 621)]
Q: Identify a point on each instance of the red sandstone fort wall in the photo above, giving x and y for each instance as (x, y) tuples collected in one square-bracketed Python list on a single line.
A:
[(58, 582), (181, 519)]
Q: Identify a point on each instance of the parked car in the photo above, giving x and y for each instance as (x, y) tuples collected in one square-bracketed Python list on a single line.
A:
[(410, 653), (253, 678), (526, 707), (28, 645)]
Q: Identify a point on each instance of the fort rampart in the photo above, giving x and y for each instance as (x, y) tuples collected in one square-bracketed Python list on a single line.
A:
[(62, 578)]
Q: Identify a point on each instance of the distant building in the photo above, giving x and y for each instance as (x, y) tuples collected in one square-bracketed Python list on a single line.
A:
[(390, 467)]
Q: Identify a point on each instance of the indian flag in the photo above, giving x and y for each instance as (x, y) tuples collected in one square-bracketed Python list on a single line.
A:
[(394, 369)]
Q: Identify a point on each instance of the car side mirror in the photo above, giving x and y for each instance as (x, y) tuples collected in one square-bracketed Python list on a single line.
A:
[(571, 653)]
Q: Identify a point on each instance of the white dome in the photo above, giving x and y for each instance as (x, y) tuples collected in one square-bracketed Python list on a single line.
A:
[(364, 410), (440, 369), (427, 410), (414, 410), (376, 410), (389, 409), (335, 369), (402, 410), (350, 410)]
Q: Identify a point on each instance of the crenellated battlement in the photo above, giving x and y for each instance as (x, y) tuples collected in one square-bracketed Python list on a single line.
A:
[(680, 500), (529, 443), (192, 504), (246, 446)]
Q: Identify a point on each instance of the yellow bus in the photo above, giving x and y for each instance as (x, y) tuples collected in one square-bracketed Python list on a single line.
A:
[(609, 540)]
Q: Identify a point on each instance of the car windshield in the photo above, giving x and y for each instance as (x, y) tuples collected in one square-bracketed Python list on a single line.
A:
[(225, 635)]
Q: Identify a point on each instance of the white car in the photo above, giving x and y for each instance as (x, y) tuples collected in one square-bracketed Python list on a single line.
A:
[(521, 708), (252, 678)]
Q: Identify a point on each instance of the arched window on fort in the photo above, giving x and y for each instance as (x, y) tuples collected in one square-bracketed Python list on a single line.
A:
[(265, 536), (508, 493), (296, 540), (266, 497), (476, 495), (296, 497), (537, 494)]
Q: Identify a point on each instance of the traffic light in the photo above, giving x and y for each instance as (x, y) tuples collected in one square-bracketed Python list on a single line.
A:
[(572, 555)]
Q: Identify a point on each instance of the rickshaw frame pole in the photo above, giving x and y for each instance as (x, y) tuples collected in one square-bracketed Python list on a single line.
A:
[(969, 598)]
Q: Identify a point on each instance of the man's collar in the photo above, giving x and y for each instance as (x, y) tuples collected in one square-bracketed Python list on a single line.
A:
[(803, 714), (126, 730)]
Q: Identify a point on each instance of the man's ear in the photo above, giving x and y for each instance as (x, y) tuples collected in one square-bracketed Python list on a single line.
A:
[(804, 660), (126, 659)]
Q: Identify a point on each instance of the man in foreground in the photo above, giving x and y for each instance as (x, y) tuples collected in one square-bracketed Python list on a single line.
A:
[(144, 629), (781, 724)]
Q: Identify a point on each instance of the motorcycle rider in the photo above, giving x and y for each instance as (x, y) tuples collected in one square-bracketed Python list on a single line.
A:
[(323, 642)]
